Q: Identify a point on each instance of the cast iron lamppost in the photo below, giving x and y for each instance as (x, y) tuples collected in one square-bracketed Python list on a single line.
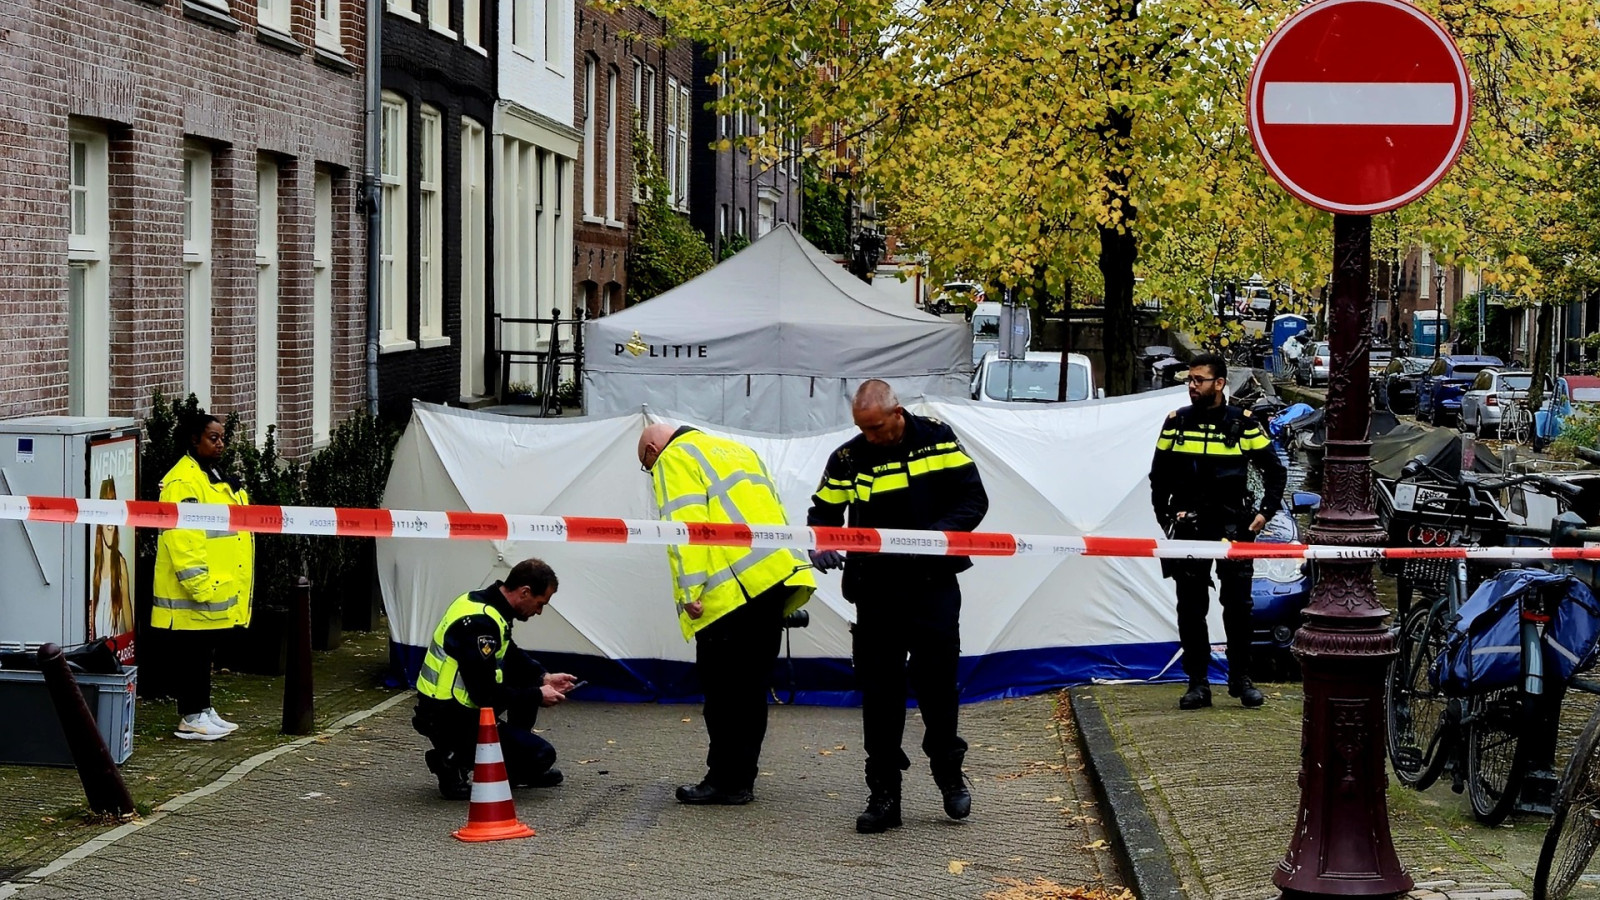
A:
[(1438, 307)]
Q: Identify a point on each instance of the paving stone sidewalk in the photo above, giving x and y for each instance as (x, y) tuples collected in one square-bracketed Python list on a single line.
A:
[(358, 816), (1221, 787)]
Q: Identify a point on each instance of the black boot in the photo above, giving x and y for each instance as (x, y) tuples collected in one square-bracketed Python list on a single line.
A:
[(454, 783), (952, 784), (1198, 695), (883, 808), (1249, 695), (707, 794)]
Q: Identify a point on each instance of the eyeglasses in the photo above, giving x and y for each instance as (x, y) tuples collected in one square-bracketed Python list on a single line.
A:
[(1198, 380)]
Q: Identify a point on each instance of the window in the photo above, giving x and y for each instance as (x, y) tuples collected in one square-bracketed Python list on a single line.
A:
[(266, 296), (430, 232), (472, 22), (723, 121), (439, 15), (474, 256), (328, 26), (613, 176), (88, 278), (552, 32), (404, 8), (740, 216), (197, 271), (522, 24), (672, 142), (766, 216), (590, 131), (322, 310), (683, 147), (273, 14), (644, 117), (392, 236)]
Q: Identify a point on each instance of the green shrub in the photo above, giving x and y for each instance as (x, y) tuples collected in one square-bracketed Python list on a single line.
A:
[(666, 250), (352, 471), (1581, 429)]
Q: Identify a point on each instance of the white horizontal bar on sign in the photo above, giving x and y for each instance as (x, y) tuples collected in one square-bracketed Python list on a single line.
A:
[(1358, 103)]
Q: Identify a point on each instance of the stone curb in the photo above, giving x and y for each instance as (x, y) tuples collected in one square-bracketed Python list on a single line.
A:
[(1138, 841)]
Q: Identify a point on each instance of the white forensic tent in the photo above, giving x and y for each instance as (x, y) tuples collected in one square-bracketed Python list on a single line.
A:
[(774, 339), (1028, 623)]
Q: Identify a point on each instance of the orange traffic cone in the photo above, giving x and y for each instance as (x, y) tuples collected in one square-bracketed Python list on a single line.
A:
[(492, 816)]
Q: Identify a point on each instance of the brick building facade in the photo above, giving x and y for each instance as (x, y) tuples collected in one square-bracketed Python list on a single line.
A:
[(627, 77), (179, 185)]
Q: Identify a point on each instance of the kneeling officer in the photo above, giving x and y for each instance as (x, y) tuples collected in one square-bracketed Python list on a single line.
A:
[(471, 663)]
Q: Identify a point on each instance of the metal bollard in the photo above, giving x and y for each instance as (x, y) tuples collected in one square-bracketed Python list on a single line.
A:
[(102, 782), (297, 703)]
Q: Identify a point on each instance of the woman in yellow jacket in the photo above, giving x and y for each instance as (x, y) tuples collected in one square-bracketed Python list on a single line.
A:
[(203, 577)]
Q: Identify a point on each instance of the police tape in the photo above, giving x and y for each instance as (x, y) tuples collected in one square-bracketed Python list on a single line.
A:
[(318, 521)]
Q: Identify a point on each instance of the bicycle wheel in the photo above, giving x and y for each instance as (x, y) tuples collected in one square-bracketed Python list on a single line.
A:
[(1575, 828), (1416, 711), (1494, 762)]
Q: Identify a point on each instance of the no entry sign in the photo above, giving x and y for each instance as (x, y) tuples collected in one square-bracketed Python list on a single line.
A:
[(1359, 106)]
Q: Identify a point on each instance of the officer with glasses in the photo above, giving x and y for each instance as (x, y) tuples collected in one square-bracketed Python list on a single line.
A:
[(1199, 486)]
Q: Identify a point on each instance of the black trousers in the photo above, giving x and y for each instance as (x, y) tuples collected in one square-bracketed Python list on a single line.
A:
[(734, 657), (453, 729), (909, 630), (191, 671), (1192, 580)]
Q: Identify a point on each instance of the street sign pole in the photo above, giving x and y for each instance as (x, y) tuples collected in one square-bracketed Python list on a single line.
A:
[(1357, 107)]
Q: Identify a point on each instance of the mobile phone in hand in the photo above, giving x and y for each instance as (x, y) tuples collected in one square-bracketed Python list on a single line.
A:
[(576, 685)]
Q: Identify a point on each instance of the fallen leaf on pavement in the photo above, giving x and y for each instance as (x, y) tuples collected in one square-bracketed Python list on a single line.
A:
[(585, 762), (1052, 799), (685, 719), (825, 752), (957, 866), (611, 742), (1436, 870), (838, 747), (1096, 845)]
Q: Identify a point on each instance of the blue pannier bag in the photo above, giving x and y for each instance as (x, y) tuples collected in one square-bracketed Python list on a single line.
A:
[(1483, 651)]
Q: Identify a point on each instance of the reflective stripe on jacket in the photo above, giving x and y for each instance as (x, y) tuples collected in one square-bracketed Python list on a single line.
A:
[(203, 579), (440, 676), (701, 478)]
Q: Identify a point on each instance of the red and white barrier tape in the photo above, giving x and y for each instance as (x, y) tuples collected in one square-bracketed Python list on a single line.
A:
[(401, 523)]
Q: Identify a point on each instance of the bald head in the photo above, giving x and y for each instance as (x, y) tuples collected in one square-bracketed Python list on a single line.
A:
[(877, 413), (877, 395), (652, 441)]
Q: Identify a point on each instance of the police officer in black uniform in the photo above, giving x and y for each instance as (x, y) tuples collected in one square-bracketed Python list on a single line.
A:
[(476, 627), (903, 471), (1199, 485)]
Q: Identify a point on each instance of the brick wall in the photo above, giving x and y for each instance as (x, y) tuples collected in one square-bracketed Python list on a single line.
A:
[(153, 73), (425, 67), (618, 40)]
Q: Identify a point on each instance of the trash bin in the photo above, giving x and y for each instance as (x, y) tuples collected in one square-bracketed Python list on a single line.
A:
[(24, 698)]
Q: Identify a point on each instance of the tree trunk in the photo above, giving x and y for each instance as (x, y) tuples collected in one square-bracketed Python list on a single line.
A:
[(1541, 352), (1119, 249)]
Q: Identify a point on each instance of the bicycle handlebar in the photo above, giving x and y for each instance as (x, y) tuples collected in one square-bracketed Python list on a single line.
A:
[(1587, 535)]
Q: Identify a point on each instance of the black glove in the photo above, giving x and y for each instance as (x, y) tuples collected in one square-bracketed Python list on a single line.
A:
[(827, 559)]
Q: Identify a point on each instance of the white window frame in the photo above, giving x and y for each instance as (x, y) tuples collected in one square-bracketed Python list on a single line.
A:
[(215, 4), (322, 309), (722, 222), (522, 26), (393, 285), (197, 187), (741, 221), (405, 9), (266, 296), (88, 275), (590, 137), (766, 216), (613, 174), (724, 121), (684, 124), (638, 121), (273, 14), (474, 255), (430, 230), (329, 18), (472, 24), (670, 163), (439, 17), (554, 16)]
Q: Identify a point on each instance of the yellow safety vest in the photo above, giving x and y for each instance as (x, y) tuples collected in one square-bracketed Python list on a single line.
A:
[(440, 677), (203, 579), (701, 478)]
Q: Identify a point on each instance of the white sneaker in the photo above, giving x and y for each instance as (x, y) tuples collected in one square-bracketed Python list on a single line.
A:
[(219, 721), (199, 727)]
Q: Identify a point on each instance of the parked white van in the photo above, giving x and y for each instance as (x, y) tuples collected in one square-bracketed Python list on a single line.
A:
[(1033, 379)]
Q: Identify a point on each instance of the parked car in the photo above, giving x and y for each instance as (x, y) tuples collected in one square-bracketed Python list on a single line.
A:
[(1397, 384), (1572, 392), (1033, 379), (1439, 392), (985, 329), (1312, 366), (955, 296), (1486, 397)]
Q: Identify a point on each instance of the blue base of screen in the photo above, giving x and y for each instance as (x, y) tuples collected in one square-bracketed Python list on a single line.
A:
[(831, 682)]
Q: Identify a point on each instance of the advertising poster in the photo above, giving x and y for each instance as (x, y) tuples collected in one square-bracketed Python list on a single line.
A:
[(113, 464)]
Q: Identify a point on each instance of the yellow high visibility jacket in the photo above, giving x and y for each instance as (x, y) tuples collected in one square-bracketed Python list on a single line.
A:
[(203, 578), (440, 676), (701, 478)]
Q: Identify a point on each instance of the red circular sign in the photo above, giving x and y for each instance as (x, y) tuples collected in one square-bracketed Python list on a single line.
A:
[(1359, 106)]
